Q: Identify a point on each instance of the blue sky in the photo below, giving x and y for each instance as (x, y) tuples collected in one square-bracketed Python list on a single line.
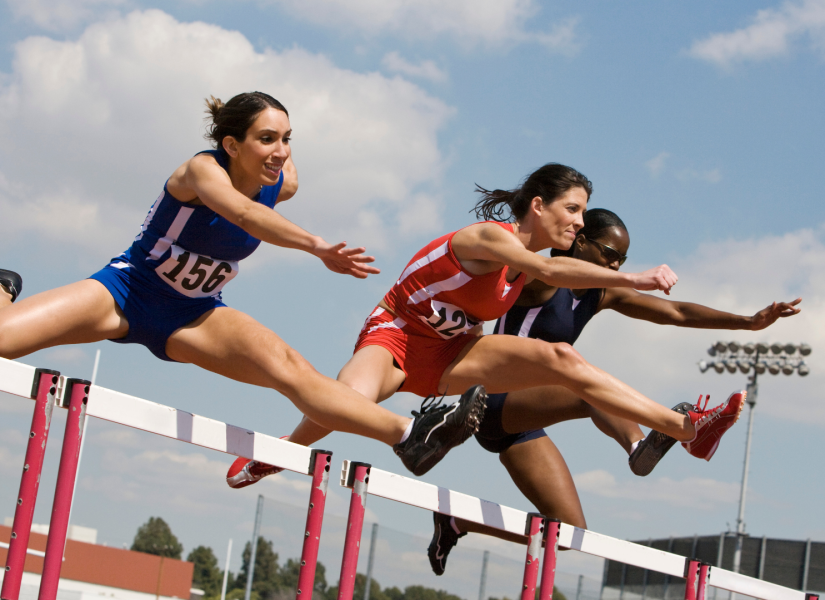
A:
[(701, 124)]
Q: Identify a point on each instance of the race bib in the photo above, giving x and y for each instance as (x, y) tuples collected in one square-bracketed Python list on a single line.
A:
[(194, 275), (449, 320)]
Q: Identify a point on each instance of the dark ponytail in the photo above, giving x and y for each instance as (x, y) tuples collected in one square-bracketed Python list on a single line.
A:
[(597, 222), (548, 182), (236, 116)]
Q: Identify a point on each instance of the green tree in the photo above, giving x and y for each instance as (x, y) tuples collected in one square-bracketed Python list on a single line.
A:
[(358, 589), (155, 537), (291, 570), (266, 580), (419, 592), (207, 575)]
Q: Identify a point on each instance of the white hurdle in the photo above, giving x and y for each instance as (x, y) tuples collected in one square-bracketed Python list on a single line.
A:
[(363, 480), (83, 399)]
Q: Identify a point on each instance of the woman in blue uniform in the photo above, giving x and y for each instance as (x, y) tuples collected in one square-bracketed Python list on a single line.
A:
[(513, 423), (164, 292)]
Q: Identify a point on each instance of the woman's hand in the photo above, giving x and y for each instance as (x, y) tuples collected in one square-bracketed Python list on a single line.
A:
[(658, 278), (347, 261), (768, 316)]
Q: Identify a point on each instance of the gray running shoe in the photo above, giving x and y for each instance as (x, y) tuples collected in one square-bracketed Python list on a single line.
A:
[(12, 282), (437, 429), (651, 449), (444, 539)]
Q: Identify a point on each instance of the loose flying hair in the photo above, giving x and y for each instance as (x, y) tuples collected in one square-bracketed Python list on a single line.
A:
[(236, 116), (597, 222), (548, 182)]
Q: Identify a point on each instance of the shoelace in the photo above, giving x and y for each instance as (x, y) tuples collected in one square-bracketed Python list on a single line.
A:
[(430, 403), (707, 399)]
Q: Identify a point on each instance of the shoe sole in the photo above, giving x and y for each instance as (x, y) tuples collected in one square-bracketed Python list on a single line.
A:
[(649, 453), (471, 423)]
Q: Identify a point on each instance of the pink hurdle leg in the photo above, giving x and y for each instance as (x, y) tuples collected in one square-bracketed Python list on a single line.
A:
[(43, 390), (704, 577), (355, 525), (534, 529), (77, 393), (321, 460), (691, 575), (551, 550)]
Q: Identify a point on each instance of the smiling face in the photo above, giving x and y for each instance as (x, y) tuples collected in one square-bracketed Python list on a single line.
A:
[(617, 240), (259, 158), (561, 219)]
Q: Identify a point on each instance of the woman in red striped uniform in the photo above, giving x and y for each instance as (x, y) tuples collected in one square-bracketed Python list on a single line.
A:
[(425, 336)]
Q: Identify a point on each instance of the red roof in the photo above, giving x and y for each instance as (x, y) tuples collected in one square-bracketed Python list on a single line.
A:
[(112, 567)]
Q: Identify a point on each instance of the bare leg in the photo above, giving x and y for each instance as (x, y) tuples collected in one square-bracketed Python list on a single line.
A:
[(230, 343), (78, 313), (540, 473), (505, 363), (542, 407)]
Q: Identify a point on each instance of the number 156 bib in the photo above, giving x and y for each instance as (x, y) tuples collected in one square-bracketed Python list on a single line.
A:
[(195, 275)]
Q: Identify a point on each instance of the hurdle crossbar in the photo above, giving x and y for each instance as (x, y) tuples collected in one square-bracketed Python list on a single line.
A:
[(438, 499), (82, 399)]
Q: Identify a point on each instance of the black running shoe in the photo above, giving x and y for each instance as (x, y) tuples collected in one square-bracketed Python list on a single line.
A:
[(444, 539), (12, 282), (651, 449), (437, 429)]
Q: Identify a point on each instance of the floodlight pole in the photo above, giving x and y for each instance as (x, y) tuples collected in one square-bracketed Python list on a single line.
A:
[(753, 389)]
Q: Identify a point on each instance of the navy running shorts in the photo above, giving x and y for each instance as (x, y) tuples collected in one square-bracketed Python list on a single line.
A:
[(153, 310), (491, 435)]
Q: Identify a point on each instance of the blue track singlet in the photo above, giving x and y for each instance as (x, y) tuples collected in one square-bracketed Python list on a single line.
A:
[(177, 265), (561, 319)]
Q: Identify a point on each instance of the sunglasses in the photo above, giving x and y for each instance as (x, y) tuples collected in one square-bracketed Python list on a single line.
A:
[(611, 255)]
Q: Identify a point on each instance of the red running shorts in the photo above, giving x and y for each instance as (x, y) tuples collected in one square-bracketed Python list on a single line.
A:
[(423, 359)]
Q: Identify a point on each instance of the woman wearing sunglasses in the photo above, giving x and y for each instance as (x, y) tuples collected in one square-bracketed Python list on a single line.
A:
[(513, 423)]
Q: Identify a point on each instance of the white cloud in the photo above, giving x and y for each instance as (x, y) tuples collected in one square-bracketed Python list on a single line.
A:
[(656, 164), (121, 107), (56, 15), (708, 176), (740, 276), (491, 22), (425, 70), (770, 34), (692, 492)]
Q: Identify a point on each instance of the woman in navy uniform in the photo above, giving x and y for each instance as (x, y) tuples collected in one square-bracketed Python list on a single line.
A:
[(513, 424)]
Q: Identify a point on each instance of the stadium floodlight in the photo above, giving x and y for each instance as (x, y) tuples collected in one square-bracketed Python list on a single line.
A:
[(760, 367), (763, 358)]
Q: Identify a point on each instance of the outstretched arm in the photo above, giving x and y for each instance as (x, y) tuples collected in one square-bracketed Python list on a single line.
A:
[(492, 244), (213, 187), (290, 185), (686, 314)]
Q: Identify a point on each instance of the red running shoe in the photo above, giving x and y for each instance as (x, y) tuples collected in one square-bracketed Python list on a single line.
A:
[(712, 424), (244, 471)]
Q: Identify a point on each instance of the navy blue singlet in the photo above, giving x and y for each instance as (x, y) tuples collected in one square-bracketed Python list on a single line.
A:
[(561, 319)]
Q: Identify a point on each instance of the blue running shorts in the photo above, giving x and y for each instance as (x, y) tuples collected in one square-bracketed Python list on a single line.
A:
[(491, 435), (154, 311)]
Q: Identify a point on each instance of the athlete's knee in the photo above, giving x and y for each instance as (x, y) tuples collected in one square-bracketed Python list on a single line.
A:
[(561, 355), (294, 372)]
